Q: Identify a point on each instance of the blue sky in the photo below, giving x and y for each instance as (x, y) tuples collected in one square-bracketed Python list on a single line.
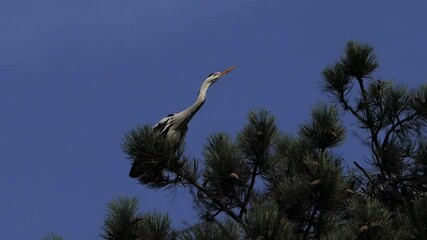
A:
[(76, 75)]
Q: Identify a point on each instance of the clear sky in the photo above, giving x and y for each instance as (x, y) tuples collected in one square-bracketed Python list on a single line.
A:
[(77, 75)]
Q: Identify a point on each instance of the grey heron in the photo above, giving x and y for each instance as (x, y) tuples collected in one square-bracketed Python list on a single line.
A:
[(174, 126)]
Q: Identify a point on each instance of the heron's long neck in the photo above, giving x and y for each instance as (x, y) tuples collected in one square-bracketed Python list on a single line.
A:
[(201, 98)]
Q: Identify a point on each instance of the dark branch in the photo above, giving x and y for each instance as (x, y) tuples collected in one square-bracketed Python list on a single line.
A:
[(395, 125), (363, 170), (350, 108), (249, 193)]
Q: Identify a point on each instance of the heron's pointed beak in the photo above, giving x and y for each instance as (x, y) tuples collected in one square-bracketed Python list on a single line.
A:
[(227, 71)]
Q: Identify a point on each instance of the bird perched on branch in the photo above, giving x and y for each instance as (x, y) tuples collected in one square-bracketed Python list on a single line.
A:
[(174, 126)]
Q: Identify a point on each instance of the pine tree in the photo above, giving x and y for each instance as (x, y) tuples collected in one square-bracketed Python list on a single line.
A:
[(394, 120), (265, 184)]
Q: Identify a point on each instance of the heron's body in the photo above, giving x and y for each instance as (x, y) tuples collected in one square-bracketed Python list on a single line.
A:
[(171, 129), (174, 126)]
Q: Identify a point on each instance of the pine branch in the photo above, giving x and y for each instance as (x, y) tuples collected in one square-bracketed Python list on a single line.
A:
[(362, 89), (370, 124), (217, 202), (348, 107), (366, 108), (249, 193), (221, 206), (367, 175), (363, 170), (395, 125)]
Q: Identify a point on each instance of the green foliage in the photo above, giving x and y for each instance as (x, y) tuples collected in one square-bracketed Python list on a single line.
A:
[(257, 137), (153, 157), (359, 60), (212, 231), (419, 101), (155, 226), (225, 171), (289, 151), (124, 221), (313, 194), (337, 82), (325, 129), (264, 222), (369, 219), (232, 167), (223, 159)]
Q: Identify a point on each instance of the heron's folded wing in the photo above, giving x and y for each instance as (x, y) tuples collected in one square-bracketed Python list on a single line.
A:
[(163, 125)]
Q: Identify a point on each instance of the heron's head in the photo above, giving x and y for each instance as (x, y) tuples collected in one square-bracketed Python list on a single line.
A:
[(213, 77)]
